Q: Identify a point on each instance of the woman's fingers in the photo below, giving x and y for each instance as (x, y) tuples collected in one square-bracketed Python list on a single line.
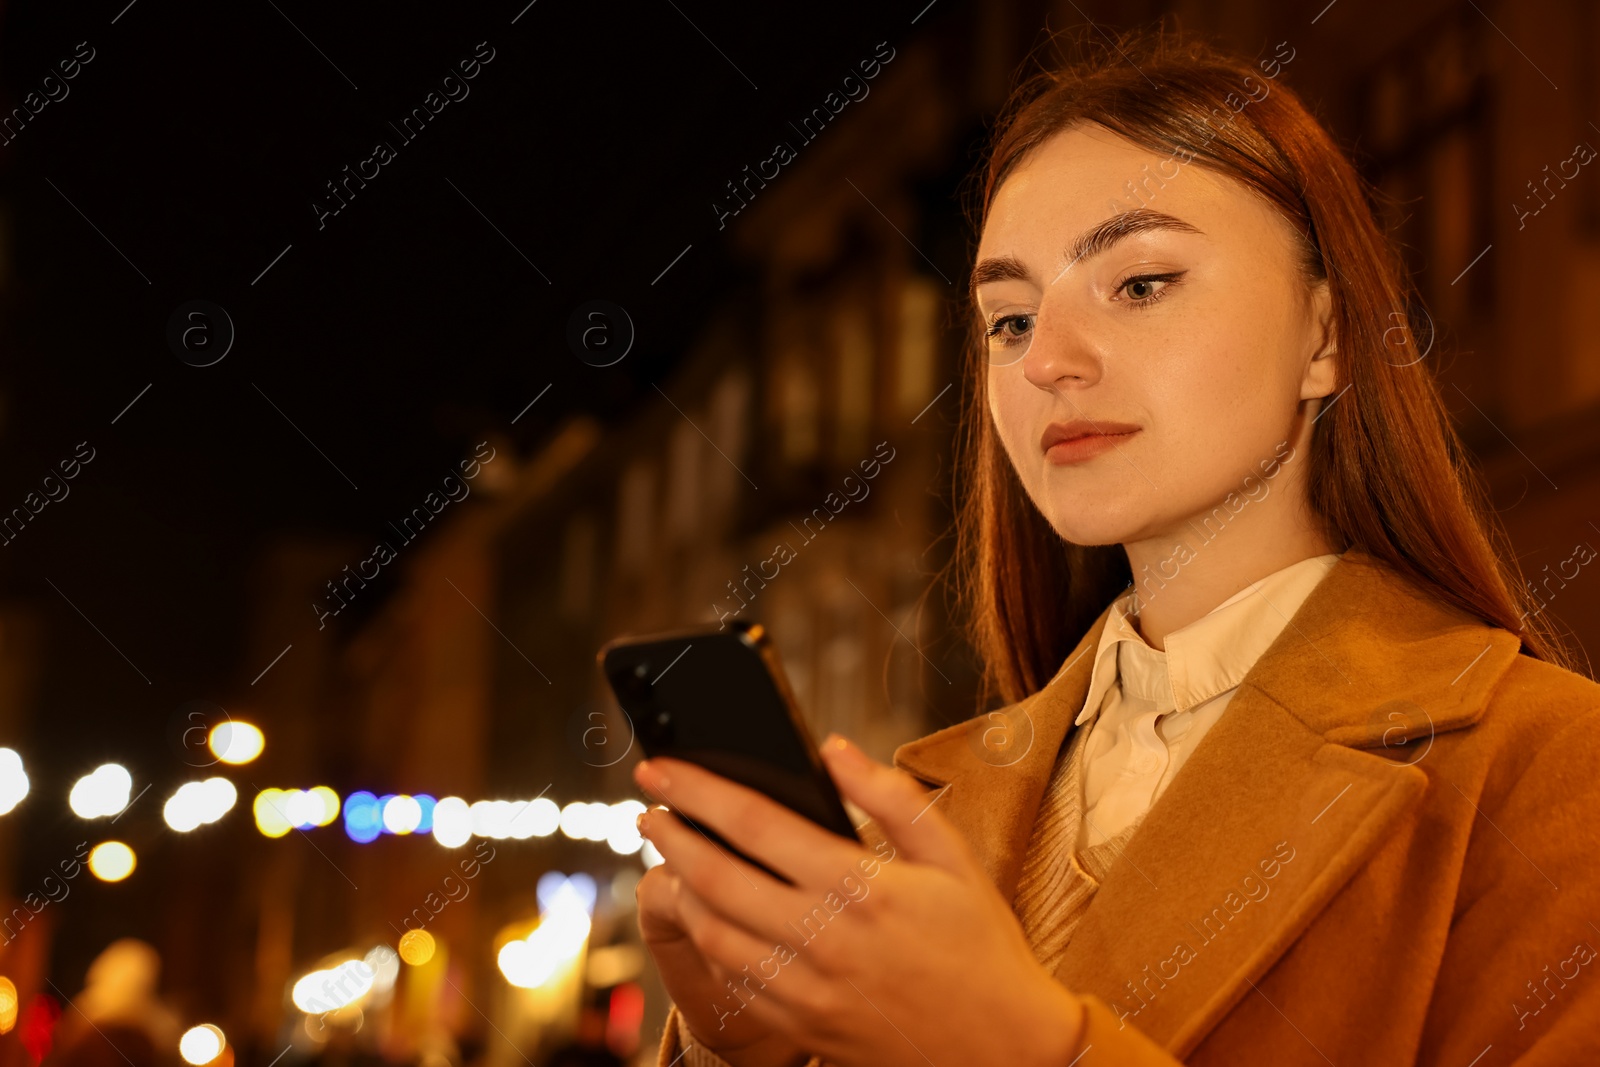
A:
[(742, 894), (751, 964), (658, 906), (757, 825), (905, 812)]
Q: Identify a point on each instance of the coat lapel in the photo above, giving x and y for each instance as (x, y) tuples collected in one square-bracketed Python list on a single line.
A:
[(991, 771), (1287, 796)]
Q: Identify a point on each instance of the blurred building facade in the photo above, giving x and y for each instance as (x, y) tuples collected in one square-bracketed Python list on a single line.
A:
[(838, 355)]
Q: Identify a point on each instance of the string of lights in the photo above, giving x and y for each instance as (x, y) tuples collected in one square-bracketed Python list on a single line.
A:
[(105, 793)]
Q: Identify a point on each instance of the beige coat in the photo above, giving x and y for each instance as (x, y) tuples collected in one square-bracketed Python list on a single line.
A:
[(1385, 852)]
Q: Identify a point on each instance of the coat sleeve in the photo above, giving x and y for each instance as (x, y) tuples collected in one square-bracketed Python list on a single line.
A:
[(1105, 1043), (679, 1048), (1110, 1042), (1520, 972)]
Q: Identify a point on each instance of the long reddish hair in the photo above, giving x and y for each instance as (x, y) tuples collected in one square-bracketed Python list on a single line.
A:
[(1388, 473)]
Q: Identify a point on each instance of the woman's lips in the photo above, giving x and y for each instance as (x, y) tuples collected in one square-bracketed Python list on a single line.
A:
[(1085, 447)]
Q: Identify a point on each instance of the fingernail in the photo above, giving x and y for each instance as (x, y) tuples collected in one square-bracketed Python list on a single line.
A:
[(639, 823), (840, 747), (649, 776)]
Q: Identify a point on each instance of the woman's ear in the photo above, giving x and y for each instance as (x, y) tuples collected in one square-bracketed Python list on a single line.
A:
[(1321, 370)]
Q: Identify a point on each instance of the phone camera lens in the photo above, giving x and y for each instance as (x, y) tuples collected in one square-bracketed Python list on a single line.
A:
[(662, 727), (632, 684)]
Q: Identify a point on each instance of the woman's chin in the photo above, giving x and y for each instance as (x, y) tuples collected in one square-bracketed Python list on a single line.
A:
[(1098, 532)]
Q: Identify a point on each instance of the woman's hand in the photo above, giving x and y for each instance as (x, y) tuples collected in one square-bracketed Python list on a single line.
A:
[(695, 985), (893, 956)]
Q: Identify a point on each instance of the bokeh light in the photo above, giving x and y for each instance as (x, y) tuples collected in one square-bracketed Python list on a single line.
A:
[(334, 987), (271, 819), (452, 822), (427, 804), (553, 886), (13, 780), (102, 792), (305, 808), (198, 803), (516, 819), (559, 938), (328, 805), (302, 807), (385, 964), (401, 815), (8, 1005), (111, 861), (278, 811), (236, 742), (201, 1044), (416, 947), (363, 817), (538, 818), (490, 818), (579, 821), (622, 833)]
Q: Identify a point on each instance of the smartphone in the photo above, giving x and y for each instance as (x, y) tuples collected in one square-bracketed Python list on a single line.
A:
[(718, 698)]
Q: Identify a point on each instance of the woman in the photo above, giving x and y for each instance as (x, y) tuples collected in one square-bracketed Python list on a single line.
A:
[(1206, 473)]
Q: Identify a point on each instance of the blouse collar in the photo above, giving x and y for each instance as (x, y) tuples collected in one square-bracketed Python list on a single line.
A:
[(1209, 656)]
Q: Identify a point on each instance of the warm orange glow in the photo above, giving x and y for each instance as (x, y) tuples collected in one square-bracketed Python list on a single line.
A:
[(8, 1005), (416, 947)]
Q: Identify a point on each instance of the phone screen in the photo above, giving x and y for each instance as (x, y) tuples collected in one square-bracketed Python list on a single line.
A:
[(718, 698)]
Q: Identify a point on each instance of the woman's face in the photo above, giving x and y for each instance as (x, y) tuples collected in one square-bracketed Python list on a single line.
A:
[(1181, 339)]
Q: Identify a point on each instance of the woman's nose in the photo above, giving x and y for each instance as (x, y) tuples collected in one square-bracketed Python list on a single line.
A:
[(1062, 355)]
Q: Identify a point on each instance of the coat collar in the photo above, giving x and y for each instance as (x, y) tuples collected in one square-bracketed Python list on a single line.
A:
[(1331, 720)]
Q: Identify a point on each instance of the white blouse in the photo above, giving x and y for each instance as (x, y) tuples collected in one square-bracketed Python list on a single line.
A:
[(1148, 709)]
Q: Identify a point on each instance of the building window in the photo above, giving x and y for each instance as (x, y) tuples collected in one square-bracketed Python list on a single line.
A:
[(578, 553), (919, 340), (1425, 107), (684, 465), (727, 422), (635, 517), (796, 400), (853, 374)]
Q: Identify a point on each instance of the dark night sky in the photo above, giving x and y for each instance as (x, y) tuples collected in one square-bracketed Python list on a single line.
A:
[(196, 141)]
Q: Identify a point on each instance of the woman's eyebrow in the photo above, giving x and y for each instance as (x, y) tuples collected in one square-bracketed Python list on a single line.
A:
[(1090, 243)]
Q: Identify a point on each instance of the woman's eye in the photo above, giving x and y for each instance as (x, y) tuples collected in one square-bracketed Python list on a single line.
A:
[(1010, 329), (1145, 289)]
